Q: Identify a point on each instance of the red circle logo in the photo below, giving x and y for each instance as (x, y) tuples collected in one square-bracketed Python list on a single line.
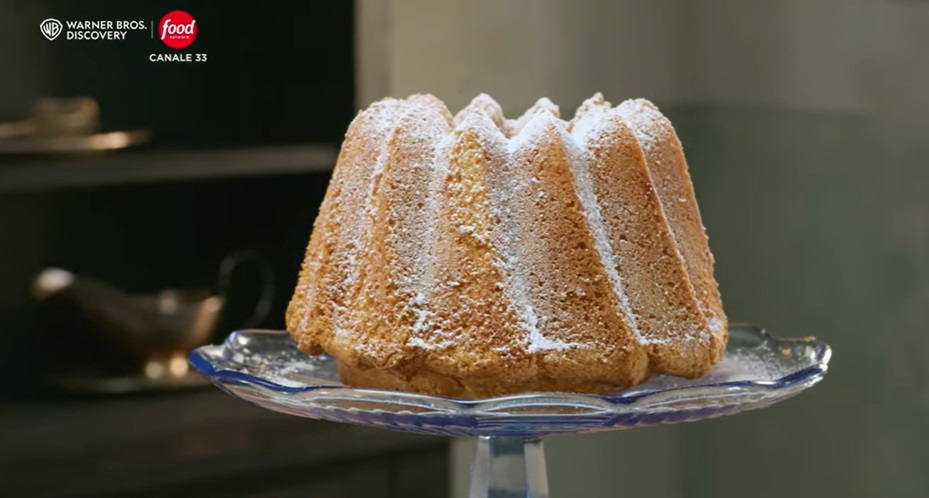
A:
[(177, 29)]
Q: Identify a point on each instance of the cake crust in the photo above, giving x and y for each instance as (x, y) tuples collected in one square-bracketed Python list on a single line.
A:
[(474, 255), (671, 178)]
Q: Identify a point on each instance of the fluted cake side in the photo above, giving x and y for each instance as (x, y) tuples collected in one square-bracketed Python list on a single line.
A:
[(476, 255)]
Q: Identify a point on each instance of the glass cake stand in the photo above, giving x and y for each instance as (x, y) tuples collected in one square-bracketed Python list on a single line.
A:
[(266, 368)]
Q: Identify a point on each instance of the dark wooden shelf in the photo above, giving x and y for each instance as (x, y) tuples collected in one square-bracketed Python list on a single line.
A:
[(133, 167), (174, 445)]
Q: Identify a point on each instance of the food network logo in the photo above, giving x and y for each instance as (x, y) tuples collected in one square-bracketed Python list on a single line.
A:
[(177, 30)]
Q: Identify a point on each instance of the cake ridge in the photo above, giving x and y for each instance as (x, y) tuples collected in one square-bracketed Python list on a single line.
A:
[(486, 105), (384, 251), (476, 119), (534, 126), (339, 252), (540, 120), (514, 127), (539, 123), (668, 166), (579, 166), (582, 124), (478, 115), (594, 104), (603, 129), (423, 264)]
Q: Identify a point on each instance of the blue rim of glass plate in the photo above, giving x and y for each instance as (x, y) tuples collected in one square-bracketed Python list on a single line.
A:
[(816, 371)]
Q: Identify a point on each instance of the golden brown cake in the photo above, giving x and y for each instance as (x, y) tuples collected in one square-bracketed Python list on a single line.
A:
[(475, 255)]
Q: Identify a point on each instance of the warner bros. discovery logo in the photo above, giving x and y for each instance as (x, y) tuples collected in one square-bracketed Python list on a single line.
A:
[(50, 28)]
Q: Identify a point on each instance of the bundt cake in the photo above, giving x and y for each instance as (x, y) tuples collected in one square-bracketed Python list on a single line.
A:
[(474, 255)]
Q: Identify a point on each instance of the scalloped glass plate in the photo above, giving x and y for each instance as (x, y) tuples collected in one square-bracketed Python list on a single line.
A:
[(266, 368)]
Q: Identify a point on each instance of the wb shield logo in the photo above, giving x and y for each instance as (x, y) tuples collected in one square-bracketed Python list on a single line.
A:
[(51, 28)]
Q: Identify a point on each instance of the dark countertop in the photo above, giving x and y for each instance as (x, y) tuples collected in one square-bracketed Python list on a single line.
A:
[(155, 445)]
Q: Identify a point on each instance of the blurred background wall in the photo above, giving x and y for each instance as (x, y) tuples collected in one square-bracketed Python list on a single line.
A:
[(803, 125), (830, 55)]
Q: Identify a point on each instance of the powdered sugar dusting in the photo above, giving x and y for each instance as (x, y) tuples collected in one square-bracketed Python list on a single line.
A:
[(588, 130), (532, 127), (509, 232), (484, 105), (513, 127), (375, 122), (425, 265), (413, 230), (645, 121), (386, 125), (579, 164), (717, 327), (402, 167), (426, 123), (653, 131), (596, 104), (537, 341), (429, 331)]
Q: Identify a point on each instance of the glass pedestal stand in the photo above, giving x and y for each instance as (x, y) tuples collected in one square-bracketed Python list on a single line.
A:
[(266, 368), (508, 467)]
